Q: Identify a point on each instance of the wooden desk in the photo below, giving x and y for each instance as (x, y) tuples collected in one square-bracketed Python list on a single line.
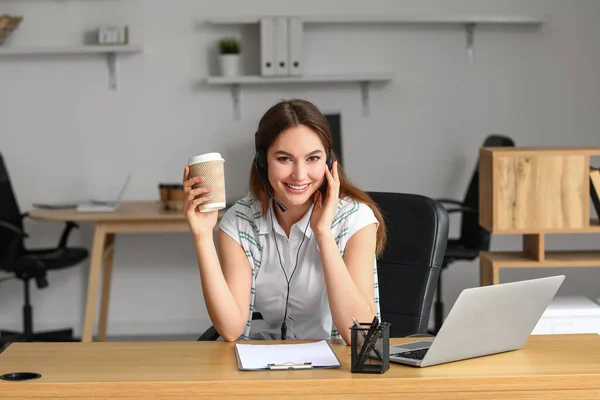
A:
[(547, 367), (130, 217)]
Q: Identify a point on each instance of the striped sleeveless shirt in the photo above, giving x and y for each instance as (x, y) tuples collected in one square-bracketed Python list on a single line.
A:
[(310, 316)]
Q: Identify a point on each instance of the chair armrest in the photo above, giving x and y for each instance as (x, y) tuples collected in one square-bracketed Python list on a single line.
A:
[(15, 237), (69, 225), (64, 237), (449, 201), (462, 209), (210, 334), (13, 229)]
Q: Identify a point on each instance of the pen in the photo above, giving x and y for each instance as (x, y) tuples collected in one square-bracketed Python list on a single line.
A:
[(364, 335), (366, 344)]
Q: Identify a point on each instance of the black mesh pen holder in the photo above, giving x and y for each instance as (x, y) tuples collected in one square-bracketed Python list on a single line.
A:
[(370, 351)]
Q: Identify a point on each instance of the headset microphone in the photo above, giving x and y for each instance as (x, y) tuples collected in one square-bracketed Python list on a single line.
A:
[(279, 204)]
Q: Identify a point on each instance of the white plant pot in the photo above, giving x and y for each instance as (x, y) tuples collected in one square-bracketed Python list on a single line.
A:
[(230, 64)]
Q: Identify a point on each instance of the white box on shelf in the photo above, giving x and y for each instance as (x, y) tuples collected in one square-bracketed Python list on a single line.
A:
[(267, 46), (295, 35), (113, 35), (281, 46), (576, 314)]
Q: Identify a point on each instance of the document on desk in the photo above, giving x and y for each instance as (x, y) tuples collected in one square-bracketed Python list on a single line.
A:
[(286, 356)]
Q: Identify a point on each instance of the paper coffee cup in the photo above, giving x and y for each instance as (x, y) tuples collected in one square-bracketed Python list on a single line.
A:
[(211, 166)]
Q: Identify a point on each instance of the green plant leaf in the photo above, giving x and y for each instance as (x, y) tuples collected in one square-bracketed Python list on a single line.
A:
[(229, 46)]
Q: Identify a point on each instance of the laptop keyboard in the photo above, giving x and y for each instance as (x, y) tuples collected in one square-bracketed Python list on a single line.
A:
[(414, 354)]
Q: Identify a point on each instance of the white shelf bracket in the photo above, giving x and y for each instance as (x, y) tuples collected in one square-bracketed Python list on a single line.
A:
[(364, 95), (470, 32), (111, 60), (235, 96)]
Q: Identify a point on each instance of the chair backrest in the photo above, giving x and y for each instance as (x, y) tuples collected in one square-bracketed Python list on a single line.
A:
[(9, 210), (409, 268), (472, 235)]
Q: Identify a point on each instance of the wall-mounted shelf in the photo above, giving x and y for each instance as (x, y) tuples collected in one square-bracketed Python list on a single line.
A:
[(406, 19), (263, 80), (468, 21), (110, 52), (364, 79)]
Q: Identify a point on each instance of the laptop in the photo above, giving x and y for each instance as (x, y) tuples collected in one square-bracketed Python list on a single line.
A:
[(484, 320), (104, 206)]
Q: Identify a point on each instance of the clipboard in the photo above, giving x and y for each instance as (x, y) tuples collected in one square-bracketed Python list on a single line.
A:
[(283, 357)]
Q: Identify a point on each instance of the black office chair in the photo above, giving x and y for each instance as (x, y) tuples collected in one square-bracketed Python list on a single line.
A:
[(408, 270), (473, 238), (27, 264)]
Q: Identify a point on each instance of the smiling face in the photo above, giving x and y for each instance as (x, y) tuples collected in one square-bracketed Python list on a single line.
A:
[(296, 165)]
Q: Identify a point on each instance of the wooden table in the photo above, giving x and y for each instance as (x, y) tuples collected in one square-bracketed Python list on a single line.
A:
[(547, 367), (130, 217)]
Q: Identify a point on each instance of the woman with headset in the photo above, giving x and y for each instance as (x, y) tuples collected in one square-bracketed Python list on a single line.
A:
[(300, 248)]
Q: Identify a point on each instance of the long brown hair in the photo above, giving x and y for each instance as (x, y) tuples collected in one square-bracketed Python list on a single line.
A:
[(291, 113)]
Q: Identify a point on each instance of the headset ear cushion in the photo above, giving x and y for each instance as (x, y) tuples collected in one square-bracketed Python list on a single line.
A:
[(329, 161), (259, 160), (256, 162)]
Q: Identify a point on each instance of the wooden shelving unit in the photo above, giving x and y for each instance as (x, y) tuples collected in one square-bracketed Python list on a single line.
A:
[(535, 192), (110, 51)]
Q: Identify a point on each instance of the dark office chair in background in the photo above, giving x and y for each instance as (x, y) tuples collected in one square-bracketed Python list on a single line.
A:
[(26, 264), (408, 270), (473, 238)]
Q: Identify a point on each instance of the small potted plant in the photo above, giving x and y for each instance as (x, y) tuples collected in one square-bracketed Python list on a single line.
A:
[(229, 49)]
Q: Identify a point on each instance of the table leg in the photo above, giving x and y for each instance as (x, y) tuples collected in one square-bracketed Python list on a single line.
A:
[(109, 251), (488, 273), (93, 282), (495, 275)]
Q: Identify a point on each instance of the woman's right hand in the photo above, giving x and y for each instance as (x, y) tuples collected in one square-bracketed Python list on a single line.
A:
[(200, 223)]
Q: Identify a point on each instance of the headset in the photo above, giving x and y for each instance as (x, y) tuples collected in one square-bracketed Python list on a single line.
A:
[(260, 163)]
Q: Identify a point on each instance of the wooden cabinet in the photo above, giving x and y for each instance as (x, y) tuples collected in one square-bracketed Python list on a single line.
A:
[(534, 192)]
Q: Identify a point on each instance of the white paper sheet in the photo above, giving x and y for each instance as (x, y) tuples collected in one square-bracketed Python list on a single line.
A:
[(258, 356)]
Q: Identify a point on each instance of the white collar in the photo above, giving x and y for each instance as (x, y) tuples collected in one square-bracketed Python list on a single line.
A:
[(268, 222)]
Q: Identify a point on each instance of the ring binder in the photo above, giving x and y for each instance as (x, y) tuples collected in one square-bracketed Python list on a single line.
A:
[(274, 367)]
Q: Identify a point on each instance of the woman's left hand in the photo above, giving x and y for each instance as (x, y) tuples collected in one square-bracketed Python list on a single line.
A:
[(326, 208)]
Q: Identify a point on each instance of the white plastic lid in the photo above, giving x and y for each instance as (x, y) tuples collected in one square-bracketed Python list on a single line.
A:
[(205, 157)]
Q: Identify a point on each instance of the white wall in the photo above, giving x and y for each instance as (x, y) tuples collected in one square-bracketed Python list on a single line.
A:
[(65, 136)]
